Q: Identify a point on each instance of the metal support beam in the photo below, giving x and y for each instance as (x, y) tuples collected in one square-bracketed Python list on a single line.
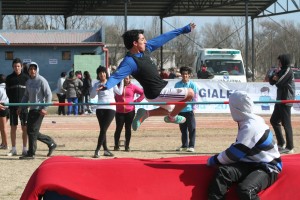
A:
[(125, 14), (253, 50), (161, 48), (66, 22), (1, 17), (246, 35)]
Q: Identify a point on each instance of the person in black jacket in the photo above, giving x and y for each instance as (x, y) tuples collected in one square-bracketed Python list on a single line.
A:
[(87, 85), (284, 81), (15, 88)]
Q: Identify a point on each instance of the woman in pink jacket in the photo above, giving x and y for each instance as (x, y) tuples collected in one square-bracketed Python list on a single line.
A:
[(125, 113)]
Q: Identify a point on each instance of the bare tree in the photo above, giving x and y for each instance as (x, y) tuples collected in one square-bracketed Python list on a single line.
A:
[(21, 21), (153, 30), (182, 47), (261, 41), (84, 22), (114, 40), (217, 35), (271, 39)]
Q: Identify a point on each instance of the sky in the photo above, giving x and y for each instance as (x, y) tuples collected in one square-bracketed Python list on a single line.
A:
[(200, 21), (141, 22)]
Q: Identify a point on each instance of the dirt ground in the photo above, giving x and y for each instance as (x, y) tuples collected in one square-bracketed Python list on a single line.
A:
[(77, 136)]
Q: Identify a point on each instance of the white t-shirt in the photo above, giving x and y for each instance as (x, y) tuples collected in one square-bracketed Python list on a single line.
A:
[(106, 96)]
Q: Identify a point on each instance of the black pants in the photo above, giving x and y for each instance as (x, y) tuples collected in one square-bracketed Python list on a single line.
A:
[(121, 119), (251, 180), (33, 130), (282, 114), (105, 117), (87, 100), (80, 106), (61, 99), (188, 130)]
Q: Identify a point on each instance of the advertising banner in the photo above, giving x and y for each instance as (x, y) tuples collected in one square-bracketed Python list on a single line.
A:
[(217, 91)]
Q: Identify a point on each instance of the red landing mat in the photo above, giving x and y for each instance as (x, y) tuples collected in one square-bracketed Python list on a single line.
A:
[(178, 178)]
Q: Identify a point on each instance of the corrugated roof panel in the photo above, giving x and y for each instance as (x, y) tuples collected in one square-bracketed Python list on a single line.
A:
[(165, 8), (50, 37)]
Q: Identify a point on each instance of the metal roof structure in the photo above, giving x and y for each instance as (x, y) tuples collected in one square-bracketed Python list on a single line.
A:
[(162, 8)]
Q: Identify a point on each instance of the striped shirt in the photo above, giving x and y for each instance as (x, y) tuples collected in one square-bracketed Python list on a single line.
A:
[(254, 143)]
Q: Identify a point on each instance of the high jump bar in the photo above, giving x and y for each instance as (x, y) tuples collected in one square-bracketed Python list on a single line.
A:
[(145, 103)]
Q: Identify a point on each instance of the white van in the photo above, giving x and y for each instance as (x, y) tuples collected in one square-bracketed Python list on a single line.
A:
[(226, 64)]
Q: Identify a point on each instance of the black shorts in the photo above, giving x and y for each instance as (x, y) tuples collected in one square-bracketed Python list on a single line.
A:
[(4, 113), (13, 116)]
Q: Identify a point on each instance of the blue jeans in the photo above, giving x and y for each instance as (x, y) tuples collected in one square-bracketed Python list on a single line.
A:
[(75, 107)]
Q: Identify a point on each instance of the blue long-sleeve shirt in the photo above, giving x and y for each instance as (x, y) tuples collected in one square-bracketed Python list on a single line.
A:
[(128, 66)]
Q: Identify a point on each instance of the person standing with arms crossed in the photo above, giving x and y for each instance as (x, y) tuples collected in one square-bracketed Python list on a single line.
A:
[(188, 128), (125, 113), (37, 91), (281, 116), (139, 64), (15, 88)]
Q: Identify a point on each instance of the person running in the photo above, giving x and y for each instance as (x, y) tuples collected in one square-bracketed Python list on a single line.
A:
[(139, 64), (15, 88), (37, 91)]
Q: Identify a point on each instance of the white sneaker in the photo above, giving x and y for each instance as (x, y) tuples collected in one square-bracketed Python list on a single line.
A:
[(181, 149), (12, 153), (191, 149)]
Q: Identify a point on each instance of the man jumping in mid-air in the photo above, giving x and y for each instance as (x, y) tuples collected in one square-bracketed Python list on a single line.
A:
[(139, 64)]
